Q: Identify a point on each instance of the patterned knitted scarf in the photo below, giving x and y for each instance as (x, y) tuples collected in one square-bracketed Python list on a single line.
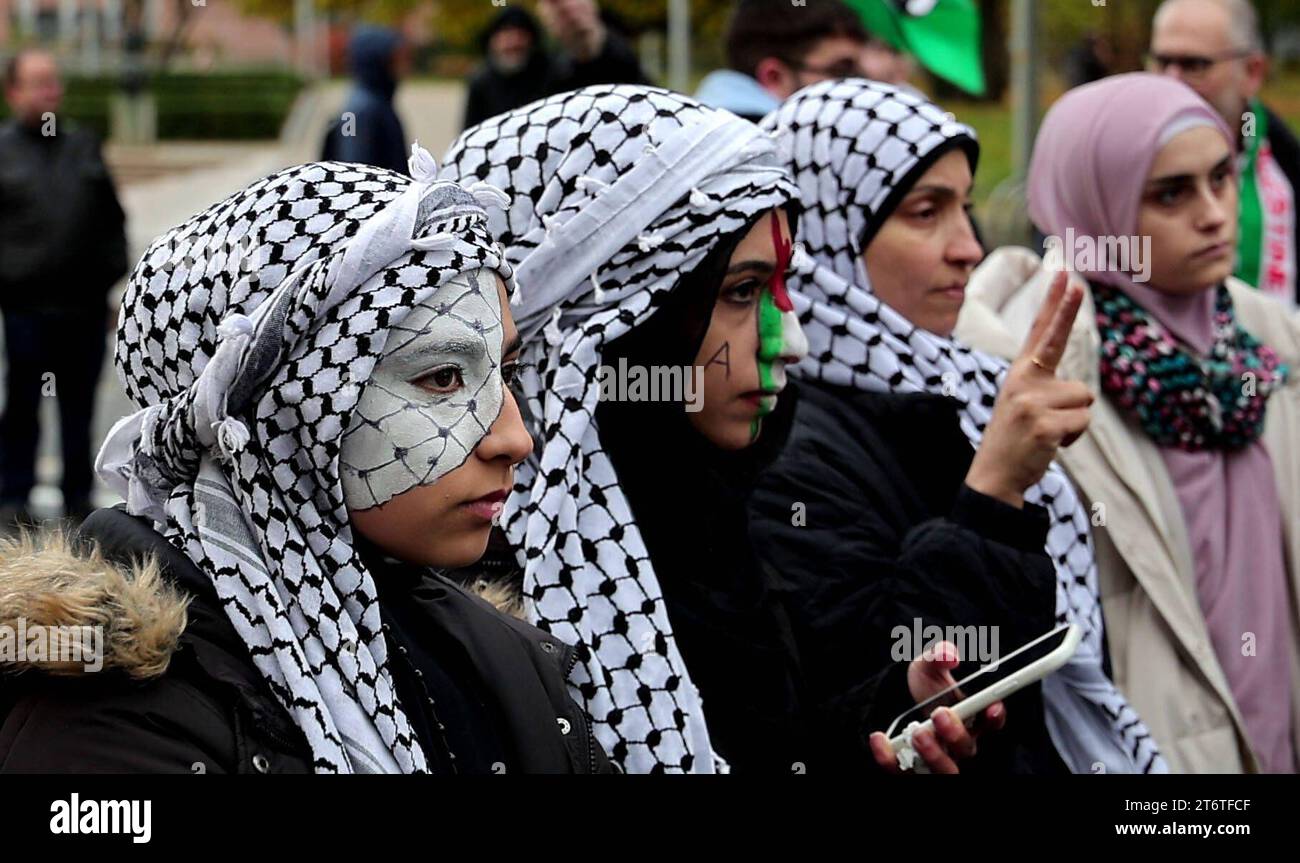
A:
[(1184, 401)]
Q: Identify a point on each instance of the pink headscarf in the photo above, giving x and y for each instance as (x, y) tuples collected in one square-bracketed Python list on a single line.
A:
[(1091, 161)]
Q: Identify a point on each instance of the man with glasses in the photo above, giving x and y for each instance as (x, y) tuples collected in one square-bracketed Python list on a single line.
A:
[(1216, 48), (775, 48)]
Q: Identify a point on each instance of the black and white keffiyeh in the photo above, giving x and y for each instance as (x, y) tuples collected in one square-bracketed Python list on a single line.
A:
[(247, 337), (618, 192), (855, 147)]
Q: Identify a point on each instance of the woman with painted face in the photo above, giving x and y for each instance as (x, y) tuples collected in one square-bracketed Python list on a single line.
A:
[(918, 487), (1192, 463), (321, 365), (732, 637), (651, 242)]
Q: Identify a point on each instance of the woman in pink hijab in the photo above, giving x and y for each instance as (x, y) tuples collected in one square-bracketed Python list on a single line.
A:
[(1192, 463)]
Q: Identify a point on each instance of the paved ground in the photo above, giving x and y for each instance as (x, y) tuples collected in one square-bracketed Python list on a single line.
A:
[(162, 186)]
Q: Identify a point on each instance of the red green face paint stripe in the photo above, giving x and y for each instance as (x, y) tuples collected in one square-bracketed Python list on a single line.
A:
[(773, 304), (771, 339)]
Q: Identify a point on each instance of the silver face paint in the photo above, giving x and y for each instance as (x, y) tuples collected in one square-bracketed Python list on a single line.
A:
[(433, 395)]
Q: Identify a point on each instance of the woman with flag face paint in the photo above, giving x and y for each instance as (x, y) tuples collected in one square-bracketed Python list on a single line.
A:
[(921, 472), (321, 364), (651, 233), (752, 317)]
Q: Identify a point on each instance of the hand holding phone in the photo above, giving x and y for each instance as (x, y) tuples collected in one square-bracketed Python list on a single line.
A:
[(950, 741), (914, 731)]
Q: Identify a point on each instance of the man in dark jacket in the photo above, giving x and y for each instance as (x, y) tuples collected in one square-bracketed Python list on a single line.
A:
[(518, 69), (62, 247), (369, 130), (1216, 48)]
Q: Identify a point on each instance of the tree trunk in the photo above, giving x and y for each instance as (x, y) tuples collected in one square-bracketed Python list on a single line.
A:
[(169, 49), (997, 60)]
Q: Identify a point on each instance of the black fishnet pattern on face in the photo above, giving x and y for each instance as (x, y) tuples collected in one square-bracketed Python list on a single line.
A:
[(473, 418), (298, 595)]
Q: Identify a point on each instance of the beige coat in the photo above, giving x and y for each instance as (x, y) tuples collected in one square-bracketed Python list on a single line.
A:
[(1160, 649)]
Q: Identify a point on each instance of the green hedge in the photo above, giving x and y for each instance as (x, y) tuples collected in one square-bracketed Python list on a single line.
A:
[(214, 106)]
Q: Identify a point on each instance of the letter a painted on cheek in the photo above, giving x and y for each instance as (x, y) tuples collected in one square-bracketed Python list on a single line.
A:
[(723, 358)]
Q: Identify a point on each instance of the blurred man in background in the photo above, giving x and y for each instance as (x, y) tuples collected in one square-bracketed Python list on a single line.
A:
[(518, 69), (62, 247), (1215, 47), (369, 130), (775, 48), (1091, 60), (883, 62)]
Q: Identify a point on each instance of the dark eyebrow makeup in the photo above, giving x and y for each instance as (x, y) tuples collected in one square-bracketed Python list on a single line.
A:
[(1178, 181), (757, 267), (938, 194), (473, 347)]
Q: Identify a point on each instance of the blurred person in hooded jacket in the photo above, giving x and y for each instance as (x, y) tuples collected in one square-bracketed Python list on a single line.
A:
[(519, 69), (369, 131)]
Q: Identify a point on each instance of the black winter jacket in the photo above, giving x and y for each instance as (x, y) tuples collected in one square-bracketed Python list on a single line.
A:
[(62, 230), (870, 531), (179, 691)]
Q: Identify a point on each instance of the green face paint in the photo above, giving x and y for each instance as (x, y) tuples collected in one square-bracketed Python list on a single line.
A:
[(773, 306), (771, 344)]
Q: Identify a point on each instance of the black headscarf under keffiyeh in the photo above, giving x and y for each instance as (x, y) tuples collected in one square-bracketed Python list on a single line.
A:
[(617, 191)]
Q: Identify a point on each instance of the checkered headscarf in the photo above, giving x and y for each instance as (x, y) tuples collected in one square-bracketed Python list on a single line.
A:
[(247, 335), (618, 192), (855, 148)]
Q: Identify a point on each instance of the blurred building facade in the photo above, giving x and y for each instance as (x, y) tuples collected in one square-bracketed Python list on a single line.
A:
[(92, 36)]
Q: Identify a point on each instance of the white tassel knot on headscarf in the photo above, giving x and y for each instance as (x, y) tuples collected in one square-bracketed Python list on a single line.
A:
[(247, 336)]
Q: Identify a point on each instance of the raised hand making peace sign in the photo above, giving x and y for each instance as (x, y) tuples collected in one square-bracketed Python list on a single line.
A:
[(1036, 414)]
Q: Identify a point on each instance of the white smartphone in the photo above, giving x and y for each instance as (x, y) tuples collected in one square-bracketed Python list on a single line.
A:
[(993, 682)]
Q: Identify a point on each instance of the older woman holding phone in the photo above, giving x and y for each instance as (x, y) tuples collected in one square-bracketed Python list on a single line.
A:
[(918, 485)]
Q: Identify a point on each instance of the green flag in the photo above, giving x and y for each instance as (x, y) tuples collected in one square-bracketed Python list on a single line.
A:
[(944, 35)]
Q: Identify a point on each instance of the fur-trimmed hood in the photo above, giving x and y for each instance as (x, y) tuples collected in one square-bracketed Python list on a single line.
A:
[(47, 580), (206, 706)]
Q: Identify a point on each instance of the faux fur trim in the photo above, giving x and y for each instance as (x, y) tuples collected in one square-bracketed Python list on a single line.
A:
[(501, 595), (45, 580)]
